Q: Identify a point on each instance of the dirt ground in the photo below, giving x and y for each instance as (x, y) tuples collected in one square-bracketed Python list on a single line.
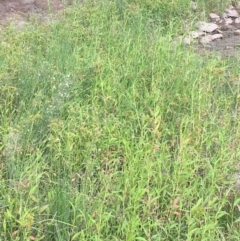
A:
[(19, 10), (227, 47)]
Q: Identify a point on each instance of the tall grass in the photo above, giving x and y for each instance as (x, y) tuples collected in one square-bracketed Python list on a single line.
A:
[(110, 130)]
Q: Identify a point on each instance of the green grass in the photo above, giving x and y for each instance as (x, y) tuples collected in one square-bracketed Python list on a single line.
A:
[(110, 130)]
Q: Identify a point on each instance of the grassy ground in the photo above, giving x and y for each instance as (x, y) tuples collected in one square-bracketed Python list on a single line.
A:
[(110, 130)]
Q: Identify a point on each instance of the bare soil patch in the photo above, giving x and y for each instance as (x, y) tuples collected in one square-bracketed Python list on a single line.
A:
[(19, 10), (228, 46)]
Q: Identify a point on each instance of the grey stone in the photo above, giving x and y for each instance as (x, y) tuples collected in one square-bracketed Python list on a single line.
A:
[(237, 32), (207, 27), (214, 16), (232, 13)]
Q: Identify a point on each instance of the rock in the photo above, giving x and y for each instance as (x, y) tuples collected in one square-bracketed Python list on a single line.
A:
[(209, 38), (205, 40), (214, 17), (219, 31), (232, 13), (216, 36), (237, 20), (196, 34), (237, 32), (207, 27), (228, 21), (224, 16)]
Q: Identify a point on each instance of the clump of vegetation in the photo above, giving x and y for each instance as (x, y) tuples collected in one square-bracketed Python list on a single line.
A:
[(110, 130)]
